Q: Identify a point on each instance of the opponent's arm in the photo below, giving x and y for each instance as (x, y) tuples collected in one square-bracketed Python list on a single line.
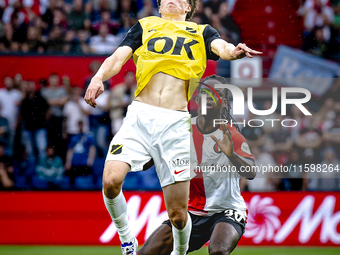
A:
[(227, 147), (248, 163), (110, 67), (228, 51)]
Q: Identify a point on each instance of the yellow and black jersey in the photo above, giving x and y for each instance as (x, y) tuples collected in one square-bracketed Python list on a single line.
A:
[(177, 48)]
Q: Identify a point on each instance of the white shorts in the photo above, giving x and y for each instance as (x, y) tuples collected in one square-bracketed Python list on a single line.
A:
[(149, 132)]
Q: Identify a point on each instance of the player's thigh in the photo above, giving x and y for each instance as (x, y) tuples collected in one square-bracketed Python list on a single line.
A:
[(176, 198), (160, 242), (223, 239)]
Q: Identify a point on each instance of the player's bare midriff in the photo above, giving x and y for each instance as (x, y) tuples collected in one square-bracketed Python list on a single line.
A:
[(165, 91)]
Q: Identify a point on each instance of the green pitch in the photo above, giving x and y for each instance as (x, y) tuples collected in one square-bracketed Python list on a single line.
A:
[(100, 250)]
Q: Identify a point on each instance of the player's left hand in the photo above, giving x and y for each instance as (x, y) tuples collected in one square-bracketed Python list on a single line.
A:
[(242, 50), (226, 144)]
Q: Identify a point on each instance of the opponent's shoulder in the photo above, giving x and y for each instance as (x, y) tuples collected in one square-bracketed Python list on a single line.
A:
[(236, 135)]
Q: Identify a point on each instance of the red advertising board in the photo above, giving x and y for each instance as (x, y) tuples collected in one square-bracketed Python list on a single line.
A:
[(283, 218), (76, 67)]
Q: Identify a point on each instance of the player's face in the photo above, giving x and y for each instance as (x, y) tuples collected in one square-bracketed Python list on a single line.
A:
[(174, 7), (213, 102)]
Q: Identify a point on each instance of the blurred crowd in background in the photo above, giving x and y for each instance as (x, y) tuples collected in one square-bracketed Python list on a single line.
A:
[(51, 139), (321, 19), (98, 26), (87, 26)]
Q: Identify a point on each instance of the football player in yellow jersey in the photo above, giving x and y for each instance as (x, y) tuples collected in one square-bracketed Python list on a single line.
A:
[(168, 53)]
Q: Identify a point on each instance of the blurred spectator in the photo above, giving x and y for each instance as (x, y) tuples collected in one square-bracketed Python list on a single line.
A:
[(59, 19), (6, 170), (23, 166), (336, 10), (34, 134), (5, 133), (104, 43), (50, 167), (127, 17), (77, 18), (18, 82), (73, 113), (56, 97), (100, 6), (320, 46), (147, 10), (325, 115), (280, 142), (318, 19), (33, 42), (334, 91), (126, 8), (310, 137), (99, 122), (295, 179), (10, 100), (264, 181), (295, 127), (42, 83), (121, 96), (253, 135), (318, 14), (66, 84), (68, 43), (200, 17), (7, 38), (80, 42), (268, 126), (327, 178), (228, 22), (47, 17), (55, 41), (332, 136), (105, 19), (80, 154), (213, 5), (94, 67)]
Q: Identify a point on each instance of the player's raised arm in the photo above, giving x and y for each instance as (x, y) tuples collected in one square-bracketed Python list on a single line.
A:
[(227, 147), (113, 64), (110, 67), (228, 51)]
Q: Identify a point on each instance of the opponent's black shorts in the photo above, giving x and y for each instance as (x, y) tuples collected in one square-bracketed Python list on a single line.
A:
[(203, 226)]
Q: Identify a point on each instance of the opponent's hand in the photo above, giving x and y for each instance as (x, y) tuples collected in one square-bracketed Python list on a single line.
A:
[(241, 51), (93, 91), (226, 144)]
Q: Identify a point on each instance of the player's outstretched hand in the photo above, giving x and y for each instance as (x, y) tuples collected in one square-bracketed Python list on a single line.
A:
[(242, 51), (93, 91), (226, 144)]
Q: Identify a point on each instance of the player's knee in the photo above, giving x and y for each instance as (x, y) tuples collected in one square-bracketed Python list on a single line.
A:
[(178, 218), (112, 183)]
